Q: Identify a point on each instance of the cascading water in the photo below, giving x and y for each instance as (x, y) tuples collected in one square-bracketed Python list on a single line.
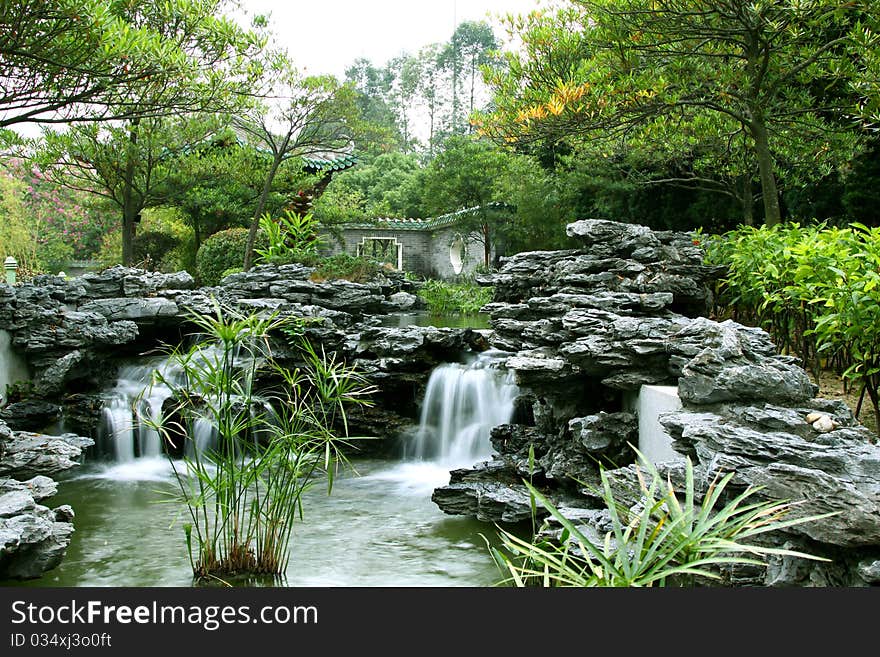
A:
[(462, 404), (135, 396)]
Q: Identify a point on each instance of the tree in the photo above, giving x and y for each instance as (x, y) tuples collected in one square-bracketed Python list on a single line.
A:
[(130, 165), (376, 127), (774, 70), (86, 60), (466, 175), (467, 51), (312, 117), (217, 70)]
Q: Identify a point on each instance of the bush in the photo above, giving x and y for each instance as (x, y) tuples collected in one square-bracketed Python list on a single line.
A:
[(670, 538), (444, 298), (346, 267), (151, 248), (222, 251), (815, 289)]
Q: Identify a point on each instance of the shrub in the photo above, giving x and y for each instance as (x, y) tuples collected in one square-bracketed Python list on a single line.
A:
[(244, 496), (151, 248), (347, 267), (291, 238), (664, 540), (222, 251), (815, 289), (443, 298)]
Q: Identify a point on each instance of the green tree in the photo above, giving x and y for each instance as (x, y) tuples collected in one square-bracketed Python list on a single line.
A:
[(466, 175), (775, 71), (313, 116), (129, 165), (221, 68), (93, 60), (467, 51)]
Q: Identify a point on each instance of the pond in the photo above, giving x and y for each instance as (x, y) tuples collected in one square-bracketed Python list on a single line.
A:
[(424, 318), (379, 527)]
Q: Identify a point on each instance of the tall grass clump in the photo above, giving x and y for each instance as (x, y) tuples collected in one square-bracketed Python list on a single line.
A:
[(667, 539), (244, 493), (444, 298)]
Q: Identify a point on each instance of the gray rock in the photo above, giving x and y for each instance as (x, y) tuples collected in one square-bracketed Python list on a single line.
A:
[(52, 380), (29, 454), (403, 300), (840, 478), (611, 237), (142, 310), (869, 570), (33, 538)]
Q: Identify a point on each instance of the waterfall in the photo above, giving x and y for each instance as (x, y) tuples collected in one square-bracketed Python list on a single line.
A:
[(134, 396), (462, 404)]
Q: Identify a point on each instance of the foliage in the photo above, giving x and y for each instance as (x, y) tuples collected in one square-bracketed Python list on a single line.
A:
[(742, 79), (346, 267), (244, 495), (314, 118), (465, 175), (386, 186), (815, 288), (663, 540), (18, 236), (87, 60), (291, 238), (443, 298), (221, 251)]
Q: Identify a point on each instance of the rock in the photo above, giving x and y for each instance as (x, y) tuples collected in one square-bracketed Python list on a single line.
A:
[(824, 424), (837, 477), (611, 237), (141, 310), (605, 433), (479, 494), (33, 538), (30, 414), (404, 300), (869, 571), (52, 380), (29, 454)]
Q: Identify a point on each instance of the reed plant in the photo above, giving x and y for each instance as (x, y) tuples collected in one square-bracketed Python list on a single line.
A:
[(669, 538), (244, 493)]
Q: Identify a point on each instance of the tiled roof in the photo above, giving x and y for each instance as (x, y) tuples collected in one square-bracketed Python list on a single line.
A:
[(431, 223), (330, 162)]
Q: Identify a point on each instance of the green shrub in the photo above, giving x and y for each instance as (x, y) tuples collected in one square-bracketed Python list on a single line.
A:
[(151, 248), (443, 298), (290, 238), (815, 289), (667, 539), (222, 251), (347, 267)]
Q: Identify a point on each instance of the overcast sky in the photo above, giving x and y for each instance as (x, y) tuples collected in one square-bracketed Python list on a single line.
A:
[(326, 36)]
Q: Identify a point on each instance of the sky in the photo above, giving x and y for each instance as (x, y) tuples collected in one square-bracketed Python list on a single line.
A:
[(326, 37)]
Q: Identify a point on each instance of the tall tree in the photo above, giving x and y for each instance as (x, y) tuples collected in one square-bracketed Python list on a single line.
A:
[(774, 68), (94, 60), (468, 50), (217, 69), (310, 116), (467, 174)]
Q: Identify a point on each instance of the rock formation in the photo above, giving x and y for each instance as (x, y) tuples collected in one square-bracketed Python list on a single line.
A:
[(586, 328), (33, 537)]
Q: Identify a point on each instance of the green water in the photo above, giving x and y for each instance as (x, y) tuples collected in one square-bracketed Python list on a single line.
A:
[(378, 528), (423, 318)]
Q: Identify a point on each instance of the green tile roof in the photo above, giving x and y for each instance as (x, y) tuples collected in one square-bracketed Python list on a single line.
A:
[(431, 223)]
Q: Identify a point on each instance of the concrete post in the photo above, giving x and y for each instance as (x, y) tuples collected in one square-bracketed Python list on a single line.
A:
[(10, 265)]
